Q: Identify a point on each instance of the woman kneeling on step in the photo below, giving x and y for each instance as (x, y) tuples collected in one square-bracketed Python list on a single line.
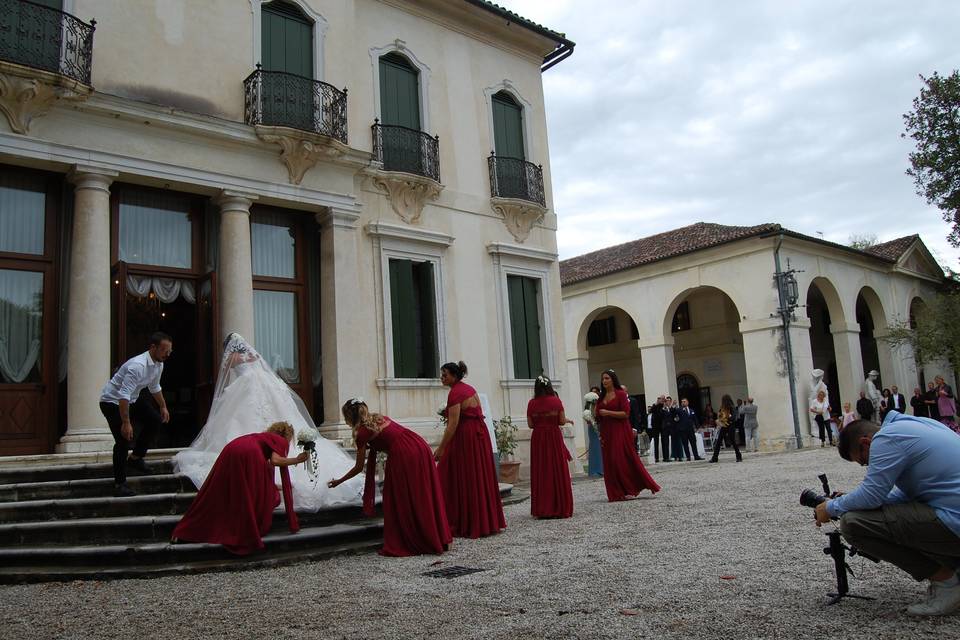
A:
[(235, 504)]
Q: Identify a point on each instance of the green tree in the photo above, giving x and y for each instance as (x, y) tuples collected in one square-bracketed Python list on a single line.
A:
[(862, 241), (934, 123), (934, 333)]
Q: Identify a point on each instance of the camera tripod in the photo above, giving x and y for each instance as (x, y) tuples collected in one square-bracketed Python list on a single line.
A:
[(837, 550)]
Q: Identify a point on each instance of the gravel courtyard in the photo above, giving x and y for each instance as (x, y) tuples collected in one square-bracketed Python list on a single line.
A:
[(724, 551)]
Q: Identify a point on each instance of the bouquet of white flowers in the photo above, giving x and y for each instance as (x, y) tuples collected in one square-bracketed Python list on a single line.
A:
[(589, 401), (307, 440)]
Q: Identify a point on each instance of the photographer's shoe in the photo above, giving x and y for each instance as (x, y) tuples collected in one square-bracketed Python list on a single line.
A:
[(940, 601)]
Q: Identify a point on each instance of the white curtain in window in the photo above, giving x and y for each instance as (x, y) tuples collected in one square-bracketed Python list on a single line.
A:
[(22, 213), (272, 245), (155, 228), (166, 289), (275, 328), (21, 316)]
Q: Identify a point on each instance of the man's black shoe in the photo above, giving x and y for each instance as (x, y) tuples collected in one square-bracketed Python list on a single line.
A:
[(698, 458), (123, 491), (138, 464)]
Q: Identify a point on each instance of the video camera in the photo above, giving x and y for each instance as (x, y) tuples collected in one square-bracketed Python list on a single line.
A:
[(836, 549)]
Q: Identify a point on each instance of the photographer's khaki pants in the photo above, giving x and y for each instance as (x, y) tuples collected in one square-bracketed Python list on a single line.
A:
[(909, 535)]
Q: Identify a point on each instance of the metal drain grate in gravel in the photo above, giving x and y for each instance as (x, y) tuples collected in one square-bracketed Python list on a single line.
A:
[(451, 572)]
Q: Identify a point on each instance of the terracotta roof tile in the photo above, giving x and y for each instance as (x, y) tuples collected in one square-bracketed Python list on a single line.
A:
[(894, 249), (695, 237)]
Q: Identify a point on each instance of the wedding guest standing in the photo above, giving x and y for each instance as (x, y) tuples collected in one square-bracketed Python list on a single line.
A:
[(624, 474), (726, 420), (919, 406), (946, 406), (470, 489), (235, 504), (821, 413), (594, 455), (551, 494), (848, 416), (930, 399), (751, 427), (414, 516), (122, 402)]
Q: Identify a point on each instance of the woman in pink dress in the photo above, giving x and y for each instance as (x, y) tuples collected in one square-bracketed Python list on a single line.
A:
[(414, 518), (235, 504), (623, 473), (551, 494), (470, 488)]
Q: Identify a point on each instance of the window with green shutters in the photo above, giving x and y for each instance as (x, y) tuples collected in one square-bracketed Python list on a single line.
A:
[(286, 44), (524, 300), (508, 145), (31, 35), (414, 319), (400, 114)]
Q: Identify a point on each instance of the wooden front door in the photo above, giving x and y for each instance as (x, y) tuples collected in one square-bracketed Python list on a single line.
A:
[(29, 214)]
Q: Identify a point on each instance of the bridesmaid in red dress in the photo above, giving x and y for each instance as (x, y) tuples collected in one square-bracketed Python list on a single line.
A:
[(414, 519), (623, 472), (551, 494), (467, 473), (235, 504)]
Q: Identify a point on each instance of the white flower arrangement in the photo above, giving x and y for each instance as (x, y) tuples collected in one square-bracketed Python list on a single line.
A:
[(307, 440), (590, 396), (588, 416), (590, 399)]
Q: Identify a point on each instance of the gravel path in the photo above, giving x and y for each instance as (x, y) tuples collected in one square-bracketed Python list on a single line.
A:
[(665, 560)]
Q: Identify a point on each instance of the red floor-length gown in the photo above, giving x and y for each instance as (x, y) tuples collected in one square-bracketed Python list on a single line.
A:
[(623, 472), (235, 504), (551, 494), (470, 489), (414, 516)]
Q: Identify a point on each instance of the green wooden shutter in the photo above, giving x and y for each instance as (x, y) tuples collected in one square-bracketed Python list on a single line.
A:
[(428, 361), (507, 127), (523, 298), (400, 106), (403, 310), (518, 333), (34, 37), (532, 316), (287, 45)]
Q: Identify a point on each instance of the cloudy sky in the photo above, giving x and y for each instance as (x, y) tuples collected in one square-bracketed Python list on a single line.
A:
[(740, 112)]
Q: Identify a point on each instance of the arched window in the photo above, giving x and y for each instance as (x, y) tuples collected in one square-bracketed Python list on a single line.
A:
[(286, 40), (507, 126), (399, 92)]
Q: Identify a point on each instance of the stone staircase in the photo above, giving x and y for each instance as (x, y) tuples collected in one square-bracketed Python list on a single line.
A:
[(61, 522)]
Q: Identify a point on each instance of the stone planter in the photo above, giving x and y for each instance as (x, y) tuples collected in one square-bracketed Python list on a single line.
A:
[(509, 471)]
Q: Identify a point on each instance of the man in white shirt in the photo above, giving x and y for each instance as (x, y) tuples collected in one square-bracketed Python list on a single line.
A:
[(118, 403)]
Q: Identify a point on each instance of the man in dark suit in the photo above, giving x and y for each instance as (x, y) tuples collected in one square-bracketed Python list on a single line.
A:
[(865, 407), (656, 422), (896, 401), (687, 425), (668, 428)]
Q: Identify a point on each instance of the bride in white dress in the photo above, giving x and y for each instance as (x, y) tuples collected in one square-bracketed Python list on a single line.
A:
[(248, 397)]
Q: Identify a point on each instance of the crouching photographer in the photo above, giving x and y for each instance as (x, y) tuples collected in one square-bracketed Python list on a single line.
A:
[(907, 509)]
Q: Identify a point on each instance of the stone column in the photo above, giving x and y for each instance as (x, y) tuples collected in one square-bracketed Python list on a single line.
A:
[(890, 372), (846, 345), (88, 312), (235, 271), (659, 367), (341, 340), (768, 380), (578, 383)]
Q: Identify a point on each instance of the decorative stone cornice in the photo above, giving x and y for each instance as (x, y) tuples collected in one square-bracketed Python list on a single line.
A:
[(335, 218), (301, 150), (26, 93), (517, 251), (400, 232), (519, 216), (408, 193)]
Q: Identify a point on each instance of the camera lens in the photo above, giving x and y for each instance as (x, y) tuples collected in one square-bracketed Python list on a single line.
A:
[(810, 498)]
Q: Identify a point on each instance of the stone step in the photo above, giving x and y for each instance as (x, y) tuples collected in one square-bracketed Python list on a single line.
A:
[(93, 487), (155, 504), (138, 529), (45, 563), (63, 472)]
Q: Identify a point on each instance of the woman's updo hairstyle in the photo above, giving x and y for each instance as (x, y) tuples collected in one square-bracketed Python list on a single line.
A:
[(542, 386), (357, 414), (282, 429), (457, 369)]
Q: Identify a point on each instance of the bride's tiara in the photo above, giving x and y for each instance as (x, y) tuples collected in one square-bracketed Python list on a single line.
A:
[(357, 400)]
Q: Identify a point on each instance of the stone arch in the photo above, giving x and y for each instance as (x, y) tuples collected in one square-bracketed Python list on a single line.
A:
[(874, 351), (831, 297), (680, 298)]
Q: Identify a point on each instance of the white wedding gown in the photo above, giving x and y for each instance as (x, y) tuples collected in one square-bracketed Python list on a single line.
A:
[(249, 397)]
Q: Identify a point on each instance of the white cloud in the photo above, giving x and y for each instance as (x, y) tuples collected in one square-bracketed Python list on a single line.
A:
[(739, 113)]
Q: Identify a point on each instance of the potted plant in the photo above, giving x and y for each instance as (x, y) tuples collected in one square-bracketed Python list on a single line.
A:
[(506, 433)]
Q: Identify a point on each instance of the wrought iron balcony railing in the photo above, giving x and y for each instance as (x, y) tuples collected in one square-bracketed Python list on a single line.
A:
[(404, 149), (516, 178), (42, 38), (280, 99)]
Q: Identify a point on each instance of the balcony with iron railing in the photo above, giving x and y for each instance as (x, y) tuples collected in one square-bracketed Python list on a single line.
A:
[(280, 99), (406, 150), (39, 37), (516, 178)]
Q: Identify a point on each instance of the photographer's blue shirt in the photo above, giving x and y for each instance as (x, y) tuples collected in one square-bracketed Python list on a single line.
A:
[(911, 460)]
